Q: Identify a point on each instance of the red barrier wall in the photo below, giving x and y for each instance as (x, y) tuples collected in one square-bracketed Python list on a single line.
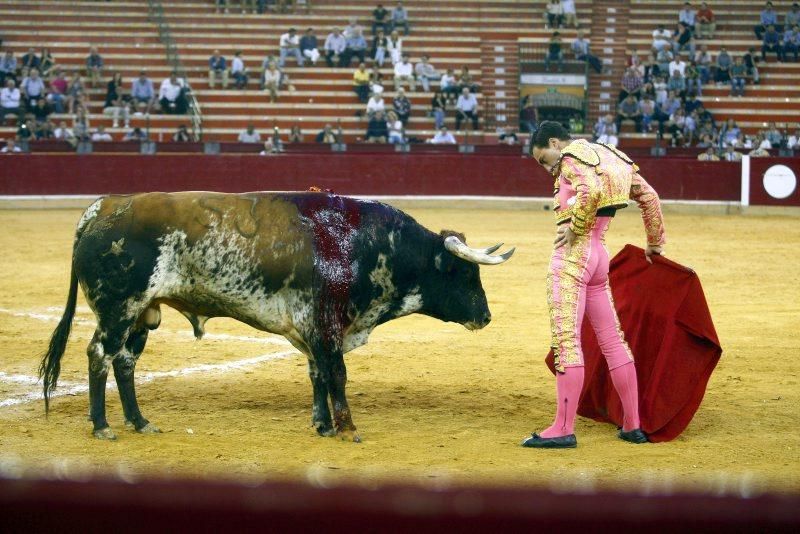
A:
[(348, 173)]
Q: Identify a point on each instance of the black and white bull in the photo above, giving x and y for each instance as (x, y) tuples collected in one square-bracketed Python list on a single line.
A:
[(319, 269)]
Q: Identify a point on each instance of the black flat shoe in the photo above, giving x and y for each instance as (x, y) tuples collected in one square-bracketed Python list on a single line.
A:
[(633, 436), (562, 442)]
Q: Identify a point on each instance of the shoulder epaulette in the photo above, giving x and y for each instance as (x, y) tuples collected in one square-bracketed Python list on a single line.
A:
[(582, 152), (621, 155)]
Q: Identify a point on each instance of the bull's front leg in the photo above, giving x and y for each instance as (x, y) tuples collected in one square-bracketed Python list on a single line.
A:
[(320, 413)]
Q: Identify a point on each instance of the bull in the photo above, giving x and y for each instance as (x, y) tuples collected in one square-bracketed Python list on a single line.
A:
[(319, 269)]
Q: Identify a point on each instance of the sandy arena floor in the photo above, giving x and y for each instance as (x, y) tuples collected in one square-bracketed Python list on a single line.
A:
[(433, 402)]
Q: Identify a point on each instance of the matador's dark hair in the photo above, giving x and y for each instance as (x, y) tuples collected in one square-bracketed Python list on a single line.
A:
[(548, 130)]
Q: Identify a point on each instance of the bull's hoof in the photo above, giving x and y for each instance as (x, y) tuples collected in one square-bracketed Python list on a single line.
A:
[(105, 434), (325, 431), (129, 425), (349, 435), (149, 428)]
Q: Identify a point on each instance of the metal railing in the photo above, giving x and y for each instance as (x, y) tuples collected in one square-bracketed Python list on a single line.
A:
[(155, 12)]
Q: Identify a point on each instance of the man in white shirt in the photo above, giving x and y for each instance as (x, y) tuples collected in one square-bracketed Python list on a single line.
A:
[(443, 137), (250, 135), (570, 15), (335, 45), (404, 72), (290, 44), (467, 108), (62, 132), (425, 73), (375, 105), (677, 64), (101, 135), (662, 38), (11, 146), (171, 97), (10, 98)]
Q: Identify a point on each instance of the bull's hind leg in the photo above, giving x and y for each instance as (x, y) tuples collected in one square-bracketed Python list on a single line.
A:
[(335, 375), (101, 350), (124, 367), (320, 412)]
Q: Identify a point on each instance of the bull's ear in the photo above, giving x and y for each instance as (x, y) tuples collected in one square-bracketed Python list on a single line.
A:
[(447, 233)]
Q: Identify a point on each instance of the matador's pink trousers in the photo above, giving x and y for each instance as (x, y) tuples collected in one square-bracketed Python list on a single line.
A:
[(577, 284)]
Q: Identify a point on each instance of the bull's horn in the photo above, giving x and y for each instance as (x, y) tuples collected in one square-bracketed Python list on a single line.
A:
[(458, 248), (490, 249)]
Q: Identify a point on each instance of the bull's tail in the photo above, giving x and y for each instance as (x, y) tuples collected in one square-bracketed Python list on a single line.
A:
[(50, 367)]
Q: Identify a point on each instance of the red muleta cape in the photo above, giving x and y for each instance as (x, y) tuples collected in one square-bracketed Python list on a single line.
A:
[(667, 324)]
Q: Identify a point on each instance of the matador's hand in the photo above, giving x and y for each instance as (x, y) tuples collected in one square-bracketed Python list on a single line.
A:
[(565, 237), (653, 251)]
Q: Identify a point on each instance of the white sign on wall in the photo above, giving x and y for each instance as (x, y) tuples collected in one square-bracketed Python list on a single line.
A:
[(780, 181)]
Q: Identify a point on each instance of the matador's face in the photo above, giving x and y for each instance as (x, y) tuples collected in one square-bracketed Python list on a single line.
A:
[(548, 156)]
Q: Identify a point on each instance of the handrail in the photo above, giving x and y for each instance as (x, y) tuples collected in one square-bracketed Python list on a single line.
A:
[(155, 12)]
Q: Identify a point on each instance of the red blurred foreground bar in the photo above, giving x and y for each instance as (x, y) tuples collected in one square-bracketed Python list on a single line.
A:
[(183, 506)]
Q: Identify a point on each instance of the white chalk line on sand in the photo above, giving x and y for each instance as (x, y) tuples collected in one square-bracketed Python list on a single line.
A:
[(72, 388)]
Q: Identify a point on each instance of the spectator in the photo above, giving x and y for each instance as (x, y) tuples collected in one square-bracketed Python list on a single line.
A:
[(379, 47), (239, 71), (731, 154), (352, 29), (555, 14), (58, 90), (443, 137), (662, 38), (660, 88), (792, 18), (774, 135), (32, 89), (402, 106), (376, 81), (404, 73), (361, 83), (751, 60), (554, 52), (580, 47), (467, 108), (449, 85), (394, 46), (41, 111), (703, 61), (570, 15), (29, 61), (270, 148), (76, 95), (375, 105), (46, 63), (400, 18), (220, 5), (250, 135), (664, 57), (295, 134), (793, 142), (63, 133), (26, 131), (675, 126), (334, 47), (772, 43), (677, 84), (182, 135), (94, 66), (356, 46), (11, 147), (116, 104), (647, 108), (465, 81), (438, 109), (309, 46), (506, 137), (683, 40), (724, 63), (605, 131), (217, 69), (8, 67), (101, 135), (379, 19), (628, 110), (135, 135), (326, 136), (80, 125), (528, 116), (426, 72), (707, 22), (290, 45), (631, 83), (738, 73), (677, 64), (143, 94), (377, 131), (272, 81), (651, 68), (171, 96), (768, 18), (10, 101), (693, 85), (708, 155), (791, 42), (730, 133), (396, 128), (686, 16)]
